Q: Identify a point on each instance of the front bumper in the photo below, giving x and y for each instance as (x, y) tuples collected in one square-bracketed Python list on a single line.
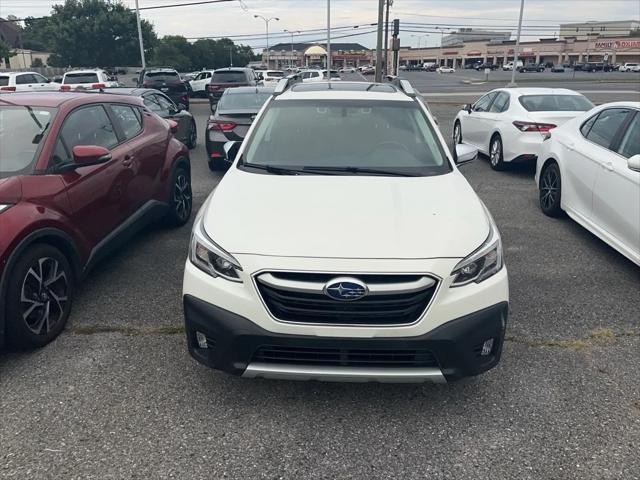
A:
[(232, 341)]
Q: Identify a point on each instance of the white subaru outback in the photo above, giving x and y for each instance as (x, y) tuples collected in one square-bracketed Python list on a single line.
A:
[(344, 244)]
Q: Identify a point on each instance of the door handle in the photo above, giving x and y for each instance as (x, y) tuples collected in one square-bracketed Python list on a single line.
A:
[(608, 166), (128, 160)]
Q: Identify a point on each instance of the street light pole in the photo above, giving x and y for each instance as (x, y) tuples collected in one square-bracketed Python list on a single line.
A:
[(144, 63), (517, 50), (379, 41), (293, 59), (329, 40), (266, 22), (386, 39)]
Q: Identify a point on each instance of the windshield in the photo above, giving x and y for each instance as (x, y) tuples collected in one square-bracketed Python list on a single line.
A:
[(81, 78), (555, 103), (22, 132), (243, 101), (385, 135), (229, 77)]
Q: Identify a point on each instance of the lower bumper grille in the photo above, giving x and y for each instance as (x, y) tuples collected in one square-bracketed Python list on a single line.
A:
[(344, 357)]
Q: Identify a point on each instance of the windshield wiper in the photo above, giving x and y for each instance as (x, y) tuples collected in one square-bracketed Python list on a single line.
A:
[(272, 169), (359, 170)]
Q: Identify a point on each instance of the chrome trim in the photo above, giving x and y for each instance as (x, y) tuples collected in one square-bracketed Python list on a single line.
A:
[(343, 374), (437, 278), (318, 287)]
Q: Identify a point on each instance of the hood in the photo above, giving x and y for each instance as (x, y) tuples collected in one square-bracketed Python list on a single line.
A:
[(346, 216), (10, 190)]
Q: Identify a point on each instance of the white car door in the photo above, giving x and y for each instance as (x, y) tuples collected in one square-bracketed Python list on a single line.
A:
[(42, 84), (475, 124), (25, 83), (201, 81), (616, 196), (586, 153)]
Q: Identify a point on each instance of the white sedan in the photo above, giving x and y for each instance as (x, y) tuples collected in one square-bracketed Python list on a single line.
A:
[(26, 82), (446, 70), (590, 168), (348, 70), (509, 124)]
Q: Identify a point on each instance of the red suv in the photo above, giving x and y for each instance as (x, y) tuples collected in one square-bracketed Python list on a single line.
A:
[(79, 174)]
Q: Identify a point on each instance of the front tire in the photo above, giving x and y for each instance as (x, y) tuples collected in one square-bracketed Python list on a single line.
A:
[(550, 190), (457, 133), (496, 156), (38, 301), (181, 201)]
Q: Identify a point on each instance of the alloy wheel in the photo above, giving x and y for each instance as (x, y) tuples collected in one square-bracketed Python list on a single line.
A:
[(496, 151), (44, 295), (549, 188), (457, 136), (182, 196)]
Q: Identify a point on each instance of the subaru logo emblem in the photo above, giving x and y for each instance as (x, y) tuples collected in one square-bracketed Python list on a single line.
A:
[(345, 289)]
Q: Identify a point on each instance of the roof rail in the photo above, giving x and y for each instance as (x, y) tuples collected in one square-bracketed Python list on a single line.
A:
[(402, 85), (286, 83)]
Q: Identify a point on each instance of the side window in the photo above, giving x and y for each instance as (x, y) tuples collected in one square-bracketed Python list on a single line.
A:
[(501, 103), (483, 104), (166, 105), (607, 125), (129, 119), (305, 75), (630, 144), (206, 75), (586, 126), (85, 126), (39, 78), (151, 102), (24, 79)]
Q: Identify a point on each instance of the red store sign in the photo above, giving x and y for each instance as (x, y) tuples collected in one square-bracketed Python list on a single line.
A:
[(618, 44)]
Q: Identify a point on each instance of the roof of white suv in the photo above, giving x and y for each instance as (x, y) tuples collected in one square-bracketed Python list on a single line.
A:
[(344, 91)]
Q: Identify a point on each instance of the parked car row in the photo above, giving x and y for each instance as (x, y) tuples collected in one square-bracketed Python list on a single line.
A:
[(588, 158), (80, 173)]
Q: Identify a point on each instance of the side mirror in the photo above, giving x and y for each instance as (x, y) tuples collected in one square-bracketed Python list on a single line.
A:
[(464, 153), (467, 107), (231, 150), (634, 163), (84, 155)]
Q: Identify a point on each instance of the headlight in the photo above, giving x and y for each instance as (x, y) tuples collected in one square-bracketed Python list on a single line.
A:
[(3, 207), (209, 257), (484, 262)]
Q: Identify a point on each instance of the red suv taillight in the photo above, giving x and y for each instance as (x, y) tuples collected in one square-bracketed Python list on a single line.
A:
[(221, 126), (534, 127), (213, 88), (65, 88), (185, 99), (8, 89), (97, 86)]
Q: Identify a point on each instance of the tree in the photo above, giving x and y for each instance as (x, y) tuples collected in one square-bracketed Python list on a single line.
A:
[(37, 63), (5, 52), (177, 52), (90, 33)]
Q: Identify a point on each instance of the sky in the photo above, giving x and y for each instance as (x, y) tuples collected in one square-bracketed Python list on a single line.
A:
[(419, 18)]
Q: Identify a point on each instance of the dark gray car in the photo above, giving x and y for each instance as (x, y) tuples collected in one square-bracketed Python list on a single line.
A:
[(164, 107)]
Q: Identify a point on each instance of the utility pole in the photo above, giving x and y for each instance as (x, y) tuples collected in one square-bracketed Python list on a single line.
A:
[(266, 22), (386, 39), (379, 41), (396, 46), (144, 63), (517, 50), (293, 56), (329, 40), (231, 56)]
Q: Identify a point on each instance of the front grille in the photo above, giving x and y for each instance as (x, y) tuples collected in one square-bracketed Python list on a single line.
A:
[(344, 357), (313, 306)]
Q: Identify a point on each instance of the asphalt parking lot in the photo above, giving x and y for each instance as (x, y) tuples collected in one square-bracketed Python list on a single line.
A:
[(117, 395)]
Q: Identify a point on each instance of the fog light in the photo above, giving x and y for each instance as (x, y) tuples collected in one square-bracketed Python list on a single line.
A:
[(487, 346), (202, 340)]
